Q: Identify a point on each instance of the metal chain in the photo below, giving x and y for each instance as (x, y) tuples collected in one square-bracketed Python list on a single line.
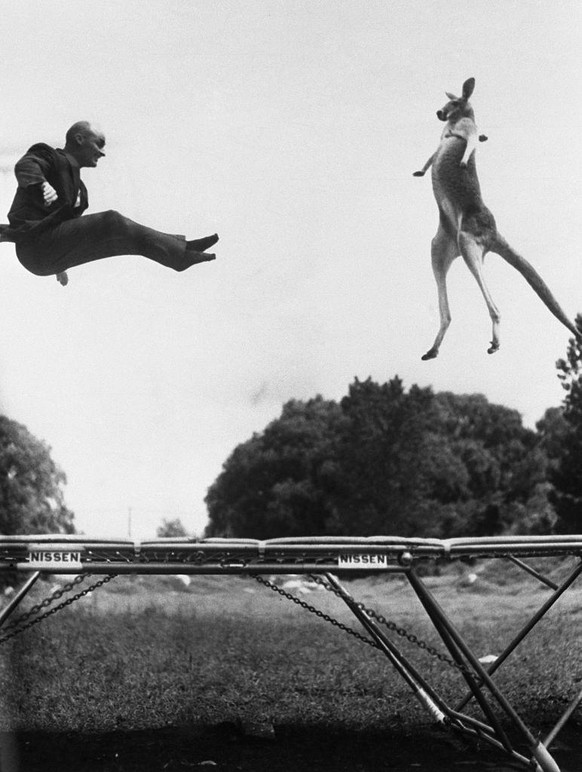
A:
[(313, 610), (25, 621), (56, 594), (392, 626)]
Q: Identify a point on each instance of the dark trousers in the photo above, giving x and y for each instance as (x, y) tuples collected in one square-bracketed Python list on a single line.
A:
[(95, 236)]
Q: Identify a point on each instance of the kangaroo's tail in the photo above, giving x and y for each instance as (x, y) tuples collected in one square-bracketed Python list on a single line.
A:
[(501, 247)]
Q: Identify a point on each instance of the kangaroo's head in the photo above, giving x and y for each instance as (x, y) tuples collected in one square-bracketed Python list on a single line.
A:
[(458, 107)]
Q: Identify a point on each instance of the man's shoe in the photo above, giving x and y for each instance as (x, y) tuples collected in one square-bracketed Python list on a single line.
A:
[(193, 257), (200, 245)]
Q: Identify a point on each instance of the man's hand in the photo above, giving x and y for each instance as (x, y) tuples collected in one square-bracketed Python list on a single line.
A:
[(48, 193), (62, 278)]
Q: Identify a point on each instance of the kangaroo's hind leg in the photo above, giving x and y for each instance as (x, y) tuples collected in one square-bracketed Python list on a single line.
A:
[(444, 250), (473, 254)]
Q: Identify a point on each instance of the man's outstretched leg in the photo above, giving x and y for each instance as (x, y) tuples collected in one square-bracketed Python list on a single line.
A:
[(107, 234)]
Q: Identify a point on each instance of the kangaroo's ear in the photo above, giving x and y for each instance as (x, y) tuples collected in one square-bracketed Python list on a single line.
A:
[(450, 96), (468, 88)]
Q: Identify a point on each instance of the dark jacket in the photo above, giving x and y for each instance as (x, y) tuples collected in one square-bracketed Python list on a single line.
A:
[(28, 214)]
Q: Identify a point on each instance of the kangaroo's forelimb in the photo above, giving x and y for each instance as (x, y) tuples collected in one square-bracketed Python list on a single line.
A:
[(425, 168), (428, 164)]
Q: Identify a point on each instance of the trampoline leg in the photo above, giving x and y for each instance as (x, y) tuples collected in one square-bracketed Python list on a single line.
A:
[(426, 695), (567, 713), (436, 616), (422, 691), (545, 762), (449, 634), (22, 592), (528, 627)]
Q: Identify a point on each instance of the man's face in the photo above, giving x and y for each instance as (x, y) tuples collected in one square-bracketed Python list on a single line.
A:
[(90, 148)]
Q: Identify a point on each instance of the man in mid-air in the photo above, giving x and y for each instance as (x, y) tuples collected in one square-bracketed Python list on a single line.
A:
[(45, 218)]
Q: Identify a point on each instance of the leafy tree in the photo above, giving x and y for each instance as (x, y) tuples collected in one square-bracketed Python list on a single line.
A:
[(31, 485), (275, 483), (383, 482), (504, 462), (552, 431), (383, 461), (171, 529), (567, 475)]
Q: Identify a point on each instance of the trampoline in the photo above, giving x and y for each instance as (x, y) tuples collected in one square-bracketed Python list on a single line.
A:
[(329, 560)]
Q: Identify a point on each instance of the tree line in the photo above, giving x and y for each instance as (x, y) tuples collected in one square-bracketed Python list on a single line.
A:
[(382, 460), (32, 498), (386, 460)]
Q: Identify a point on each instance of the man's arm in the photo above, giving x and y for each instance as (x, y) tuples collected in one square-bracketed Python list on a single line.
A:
[(33, 169)]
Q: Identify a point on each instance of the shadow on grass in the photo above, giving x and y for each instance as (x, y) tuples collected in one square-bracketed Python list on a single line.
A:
[(227, 748)]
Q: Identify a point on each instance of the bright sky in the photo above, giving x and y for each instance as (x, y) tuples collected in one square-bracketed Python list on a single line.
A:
[(292, 128)]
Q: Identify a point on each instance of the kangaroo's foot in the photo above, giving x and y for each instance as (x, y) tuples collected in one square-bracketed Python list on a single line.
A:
[(418, 174), (200, 245), (493, 347), (431, 354)]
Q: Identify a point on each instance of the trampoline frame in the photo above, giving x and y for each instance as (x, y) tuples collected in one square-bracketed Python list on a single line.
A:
[(330, 558)]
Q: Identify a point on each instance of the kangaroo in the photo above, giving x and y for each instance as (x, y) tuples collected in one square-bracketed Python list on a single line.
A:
[(466, 226)]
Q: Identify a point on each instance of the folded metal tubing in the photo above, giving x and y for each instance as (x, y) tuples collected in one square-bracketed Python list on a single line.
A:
[(455, 547), (422, 690), (391, 547), (21, 593), (468, 725), (428, 698), (161, 568), (129, 550), (528, 627), (530, 570), (449, 634), (551, 736), (437, 616)]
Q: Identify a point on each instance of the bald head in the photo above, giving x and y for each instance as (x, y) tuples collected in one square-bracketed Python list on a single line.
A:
[(81, 128), (85, 143)]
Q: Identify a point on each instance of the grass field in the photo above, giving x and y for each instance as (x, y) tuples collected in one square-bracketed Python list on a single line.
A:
[(147, 673)]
